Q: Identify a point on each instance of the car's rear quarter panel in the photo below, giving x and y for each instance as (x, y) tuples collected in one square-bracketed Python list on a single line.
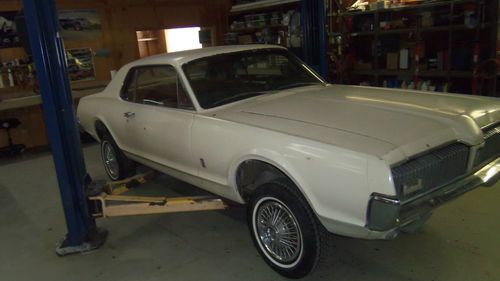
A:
[(108, 110)]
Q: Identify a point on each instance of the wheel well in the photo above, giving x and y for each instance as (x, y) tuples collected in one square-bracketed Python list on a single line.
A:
[(253, 173), (100, 129)]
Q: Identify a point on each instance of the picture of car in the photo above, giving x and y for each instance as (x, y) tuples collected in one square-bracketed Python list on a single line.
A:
[(80, 64), (7, 26), (76, 24), (255, 125), (8, 31)]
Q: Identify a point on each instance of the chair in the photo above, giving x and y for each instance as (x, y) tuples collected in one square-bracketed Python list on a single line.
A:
[(11, 149)]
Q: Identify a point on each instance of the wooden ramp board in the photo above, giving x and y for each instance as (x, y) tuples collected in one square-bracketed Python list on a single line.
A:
[(124, 205)]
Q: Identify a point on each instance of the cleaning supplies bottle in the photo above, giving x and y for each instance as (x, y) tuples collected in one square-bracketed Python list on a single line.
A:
[(11, 78)]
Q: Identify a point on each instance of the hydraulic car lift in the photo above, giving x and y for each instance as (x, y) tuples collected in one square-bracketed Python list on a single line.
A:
[(111, 202)]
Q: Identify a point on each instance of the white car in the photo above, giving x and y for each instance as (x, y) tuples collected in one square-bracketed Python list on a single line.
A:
[(255, 125), (7, 26)]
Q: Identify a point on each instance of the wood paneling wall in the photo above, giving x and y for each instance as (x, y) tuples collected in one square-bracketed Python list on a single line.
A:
[(129, 16), (120, 20)]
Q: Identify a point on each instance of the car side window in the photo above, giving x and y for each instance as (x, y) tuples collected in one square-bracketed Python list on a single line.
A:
[(161, 86), (130, 85)]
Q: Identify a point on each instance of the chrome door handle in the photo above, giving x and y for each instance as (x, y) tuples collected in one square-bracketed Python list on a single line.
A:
[(128, 114)]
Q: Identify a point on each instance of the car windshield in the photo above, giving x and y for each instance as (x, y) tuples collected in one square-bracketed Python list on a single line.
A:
[(230, 77)]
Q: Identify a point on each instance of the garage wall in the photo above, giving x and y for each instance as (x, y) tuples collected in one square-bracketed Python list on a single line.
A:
[(128, 16), (120, 19), (102, 64)]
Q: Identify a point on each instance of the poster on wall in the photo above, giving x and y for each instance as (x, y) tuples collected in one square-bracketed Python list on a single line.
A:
[(79, 24), (8, 31), (80, 64)]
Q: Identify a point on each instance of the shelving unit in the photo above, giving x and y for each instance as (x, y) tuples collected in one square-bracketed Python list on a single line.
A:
[(298, 25), (259, 5), (438, 31), (263, 22)]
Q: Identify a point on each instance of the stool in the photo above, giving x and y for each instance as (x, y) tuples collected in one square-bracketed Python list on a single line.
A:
[(11, 149)]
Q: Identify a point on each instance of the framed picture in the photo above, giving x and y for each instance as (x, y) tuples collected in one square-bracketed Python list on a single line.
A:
[(79, 24), (8, 31), (80, 64)]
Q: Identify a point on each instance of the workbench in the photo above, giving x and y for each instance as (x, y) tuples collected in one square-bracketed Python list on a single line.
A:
[(27, 107)]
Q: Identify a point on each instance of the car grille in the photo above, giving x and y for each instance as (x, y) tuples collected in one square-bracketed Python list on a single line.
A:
[(431, 170), (491, 147)]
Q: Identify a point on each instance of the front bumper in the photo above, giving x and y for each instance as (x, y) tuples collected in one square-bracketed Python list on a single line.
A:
[(389, 213)]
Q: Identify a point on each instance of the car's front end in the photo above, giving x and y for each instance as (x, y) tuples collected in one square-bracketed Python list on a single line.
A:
[(433, 178)]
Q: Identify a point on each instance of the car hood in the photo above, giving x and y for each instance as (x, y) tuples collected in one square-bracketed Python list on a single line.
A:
[(387, 123)]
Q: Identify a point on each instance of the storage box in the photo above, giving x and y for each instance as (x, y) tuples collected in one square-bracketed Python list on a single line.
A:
[(245, 39), (404, 58), (363, 66), (392, 61)]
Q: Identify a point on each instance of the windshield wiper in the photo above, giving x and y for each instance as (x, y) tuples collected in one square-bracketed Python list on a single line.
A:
[(239, 96), (298, 84)]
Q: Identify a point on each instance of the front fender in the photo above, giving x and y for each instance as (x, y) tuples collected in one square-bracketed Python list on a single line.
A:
[(270, 157)]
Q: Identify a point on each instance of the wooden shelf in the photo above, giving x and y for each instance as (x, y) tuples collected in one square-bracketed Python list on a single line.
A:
[(259, 5), (383, 72), (423, 73), (418, 29), (406, 8), (448, 32), (444, 73), (29, 98), (252, 29)]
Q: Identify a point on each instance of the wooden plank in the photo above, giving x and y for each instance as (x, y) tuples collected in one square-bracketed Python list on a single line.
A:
[(146, 208), (142, 205)]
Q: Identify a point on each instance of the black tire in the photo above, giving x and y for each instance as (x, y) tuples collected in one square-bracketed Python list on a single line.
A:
[(123, 167), (303, 253)]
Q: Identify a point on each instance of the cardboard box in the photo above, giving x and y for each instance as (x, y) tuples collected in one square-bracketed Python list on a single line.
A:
[(404, 59), (245, 39), (392, 61), (363, 66)]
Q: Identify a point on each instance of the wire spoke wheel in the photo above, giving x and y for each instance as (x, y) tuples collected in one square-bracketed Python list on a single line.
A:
[(285, 230), (110, 160), (278, 231)]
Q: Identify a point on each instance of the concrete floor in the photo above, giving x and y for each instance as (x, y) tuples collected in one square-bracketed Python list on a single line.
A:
[(460, 242)]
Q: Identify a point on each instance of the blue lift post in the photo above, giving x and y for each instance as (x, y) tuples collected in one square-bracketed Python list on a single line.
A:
[(313, 20), (50, 61)]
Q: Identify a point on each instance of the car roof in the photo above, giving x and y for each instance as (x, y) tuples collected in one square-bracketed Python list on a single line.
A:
[(182, 57)]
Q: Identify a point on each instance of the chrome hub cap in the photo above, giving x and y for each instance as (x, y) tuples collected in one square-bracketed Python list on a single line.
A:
[(109, 159), (278, 231)]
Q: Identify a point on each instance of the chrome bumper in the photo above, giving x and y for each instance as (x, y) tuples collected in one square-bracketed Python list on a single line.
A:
[(388, 212)]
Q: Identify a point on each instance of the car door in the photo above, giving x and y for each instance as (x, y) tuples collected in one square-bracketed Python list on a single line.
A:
[(119, 113), (161, 118)]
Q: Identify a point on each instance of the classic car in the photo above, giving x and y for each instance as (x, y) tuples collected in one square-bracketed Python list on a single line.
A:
[(76, 24), (7, 26), (255, 125)]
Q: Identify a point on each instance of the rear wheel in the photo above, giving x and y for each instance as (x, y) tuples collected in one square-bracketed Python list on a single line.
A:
[(116, 164), (285, 230)]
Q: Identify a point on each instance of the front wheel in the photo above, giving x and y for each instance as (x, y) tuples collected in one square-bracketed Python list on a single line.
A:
[(285, 230)]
